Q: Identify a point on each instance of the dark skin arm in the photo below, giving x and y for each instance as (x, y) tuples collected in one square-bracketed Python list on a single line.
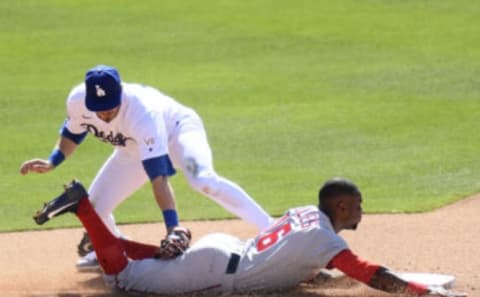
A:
[(385, 280), (374, 275)]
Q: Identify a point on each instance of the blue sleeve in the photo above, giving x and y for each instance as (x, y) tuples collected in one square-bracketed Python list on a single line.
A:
[(158, 166), (77, 138)]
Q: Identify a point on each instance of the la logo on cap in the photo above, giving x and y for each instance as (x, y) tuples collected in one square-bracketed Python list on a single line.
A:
[(100, 92)]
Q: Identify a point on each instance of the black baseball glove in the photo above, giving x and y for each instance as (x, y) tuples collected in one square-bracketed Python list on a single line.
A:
[(175, 243)]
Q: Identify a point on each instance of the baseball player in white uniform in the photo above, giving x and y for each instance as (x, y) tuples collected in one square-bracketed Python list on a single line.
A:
[(292, 250), (152, 134)]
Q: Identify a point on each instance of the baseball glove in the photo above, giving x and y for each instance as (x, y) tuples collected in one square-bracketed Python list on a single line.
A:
[(175, 243)]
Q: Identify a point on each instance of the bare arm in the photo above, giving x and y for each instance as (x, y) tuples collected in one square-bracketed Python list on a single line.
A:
[(381, 278), (178, 238), (385, 280), (374, 275), (65, 145), (164, 195)]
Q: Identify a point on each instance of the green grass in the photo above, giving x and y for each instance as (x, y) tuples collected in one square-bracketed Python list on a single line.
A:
[(292, 93)]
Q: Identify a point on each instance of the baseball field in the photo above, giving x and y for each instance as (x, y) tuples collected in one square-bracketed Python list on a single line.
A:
[(41, 263), (292, 93)]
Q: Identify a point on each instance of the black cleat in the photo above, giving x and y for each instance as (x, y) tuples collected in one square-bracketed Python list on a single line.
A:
[(85, 246), (66, 202)]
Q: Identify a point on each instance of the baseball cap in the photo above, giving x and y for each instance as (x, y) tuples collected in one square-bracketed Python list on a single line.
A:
[(103, 88)]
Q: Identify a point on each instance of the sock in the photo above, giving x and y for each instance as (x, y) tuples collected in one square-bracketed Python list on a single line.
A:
[(138, 251), (109, 249)]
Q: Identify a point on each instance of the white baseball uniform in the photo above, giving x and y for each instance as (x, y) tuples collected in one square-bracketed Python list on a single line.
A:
[(150, 125), (292, 250)]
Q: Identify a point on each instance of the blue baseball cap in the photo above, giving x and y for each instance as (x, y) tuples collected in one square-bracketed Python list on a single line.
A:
[(103, 88)]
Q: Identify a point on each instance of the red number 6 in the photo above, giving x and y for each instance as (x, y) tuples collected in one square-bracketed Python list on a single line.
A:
[(271, 238)]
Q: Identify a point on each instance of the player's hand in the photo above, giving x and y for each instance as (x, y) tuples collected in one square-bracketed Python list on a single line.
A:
[(442, 292), (175, 243), (36, 165)]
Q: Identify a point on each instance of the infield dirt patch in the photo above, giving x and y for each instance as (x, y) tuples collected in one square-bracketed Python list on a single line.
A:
[(41, 263)]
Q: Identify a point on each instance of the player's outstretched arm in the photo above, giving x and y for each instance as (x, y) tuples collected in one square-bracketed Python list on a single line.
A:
[(381, 278), (373, 274), (64, 148), (386, 280)]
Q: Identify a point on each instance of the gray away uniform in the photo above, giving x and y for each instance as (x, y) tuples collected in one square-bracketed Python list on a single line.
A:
[(293, 249)]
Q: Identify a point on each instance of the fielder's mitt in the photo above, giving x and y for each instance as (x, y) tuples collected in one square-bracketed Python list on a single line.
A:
[(175, 243)]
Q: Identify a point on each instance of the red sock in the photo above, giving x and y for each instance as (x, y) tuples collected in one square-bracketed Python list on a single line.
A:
[(138, 251), (109, 249)]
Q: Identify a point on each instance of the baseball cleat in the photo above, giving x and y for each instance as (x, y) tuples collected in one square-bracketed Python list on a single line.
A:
[(89, 263), (85, 246), (67, 201)]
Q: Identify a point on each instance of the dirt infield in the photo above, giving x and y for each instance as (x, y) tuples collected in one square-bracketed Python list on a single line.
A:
[(41, 264)]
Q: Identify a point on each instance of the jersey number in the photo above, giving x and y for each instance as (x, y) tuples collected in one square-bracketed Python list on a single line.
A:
[(270, 238)]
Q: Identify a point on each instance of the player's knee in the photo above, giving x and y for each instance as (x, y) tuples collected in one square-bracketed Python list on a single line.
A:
[(101, 208), (205, 182)]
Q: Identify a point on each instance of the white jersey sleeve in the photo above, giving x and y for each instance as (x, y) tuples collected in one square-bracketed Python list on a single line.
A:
[(76, 110)]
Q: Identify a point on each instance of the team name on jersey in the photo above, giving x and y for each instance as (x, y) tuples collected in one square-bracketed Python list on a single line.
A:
[(307, 217), (119, 139)]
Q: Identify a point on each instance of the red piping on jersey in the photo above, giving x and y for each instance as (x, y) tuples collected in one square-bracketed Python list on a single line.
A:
[(354, 266)]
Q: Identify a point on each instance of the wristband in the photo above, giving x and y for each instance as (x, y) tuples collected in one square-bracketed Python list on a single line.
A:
[(416, 288), (170, 217), (56, 157)]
